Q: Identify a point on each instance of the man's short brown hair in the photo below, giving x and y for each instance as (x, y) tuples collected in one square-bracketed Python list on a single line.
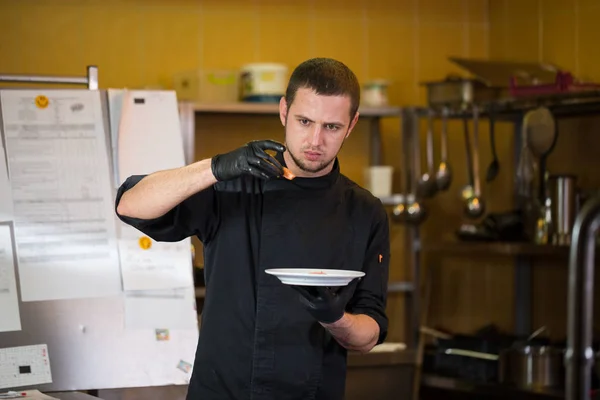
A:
[(326, 77)]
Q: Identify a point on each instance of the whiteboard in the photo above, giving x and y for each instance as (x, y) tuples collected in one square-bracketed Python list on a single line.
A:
[(89, 346)]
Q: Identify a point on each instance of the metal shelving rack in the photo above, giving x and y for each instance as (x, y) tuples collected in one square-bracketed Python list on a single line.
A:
[(567, 105)]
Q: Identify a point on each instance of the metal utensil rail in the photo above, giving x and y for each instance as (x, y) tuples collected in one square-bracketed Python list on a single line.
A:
[(573, 104)]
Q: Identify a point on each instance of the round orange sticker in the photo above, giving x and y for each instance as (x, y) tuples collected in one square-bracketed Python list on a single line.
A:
[(41, 101), (145, 242)]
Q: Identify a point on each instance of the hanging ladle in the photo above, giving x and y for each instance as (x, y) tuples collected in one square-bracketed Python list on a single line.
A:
[(443, 177), (541, 136), (475, 206), (494, 167), (427, 186), (467, 191)]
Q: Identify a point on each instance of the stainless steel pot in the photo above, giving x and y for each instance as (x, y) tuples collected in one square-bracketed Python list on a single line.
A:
[(528, 367), (531, 367)]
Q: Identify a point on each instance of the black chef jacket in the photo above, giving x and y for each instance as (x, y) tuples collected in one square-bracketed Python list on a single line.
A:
[(256, 340)]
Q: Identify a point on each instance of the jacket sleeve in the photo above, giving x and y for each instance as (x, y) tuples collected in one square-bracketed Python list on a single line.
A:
[(370, 297), (198, 216)]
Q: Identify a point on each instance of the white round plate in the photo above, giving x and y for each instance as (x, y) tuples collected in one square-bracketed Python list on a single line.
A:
[(315, 277)]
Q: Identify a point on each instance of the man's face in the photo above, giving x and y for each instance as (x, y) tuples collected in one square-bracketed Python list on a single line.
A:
[(315, 129)]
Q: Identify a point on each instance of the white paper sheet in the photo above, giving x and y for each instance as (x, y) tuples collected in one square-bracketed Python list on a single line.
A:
[(62, 193), (150, 265), (149, 135), (6, 202), (115, 104), (24, 366), (10, 319), (166, 309)]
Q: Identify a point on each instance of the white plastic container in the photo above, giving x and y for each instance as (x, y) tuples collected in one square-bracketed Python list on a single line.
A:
[(378, 180), (375, 93), (263, 81)]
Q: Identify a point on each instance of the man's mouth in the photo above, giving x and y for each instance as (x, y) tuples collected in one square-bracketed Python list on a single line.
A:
[(312, 155)]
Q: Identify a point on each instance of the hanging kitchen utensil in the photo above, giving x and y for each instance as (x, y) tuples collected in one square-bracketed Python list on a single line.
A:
[(467, 190), (443, 176), (427, 184), (399, 212), (494, 167), (475, 206), (541, 132), (415, 211), (525, 168), (527, 201)]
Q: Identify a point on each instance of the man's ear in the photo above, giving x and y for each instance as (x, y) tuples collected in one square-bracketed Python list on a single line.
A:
[(283, 110), (352, 124)]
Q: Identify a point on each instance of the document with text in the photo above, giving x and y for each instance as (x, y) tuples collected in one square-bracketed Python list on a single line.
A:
[(6, 203), (59, 172), (10, 319)]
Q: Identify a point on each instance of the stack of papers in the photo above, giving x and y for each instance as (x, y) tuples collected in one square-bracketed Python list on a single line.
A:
[(26, 395)]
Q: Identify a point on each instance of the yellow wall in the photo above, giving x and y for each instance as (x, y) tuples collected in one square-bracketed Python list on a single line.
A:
[(139, 43), (563, 32)]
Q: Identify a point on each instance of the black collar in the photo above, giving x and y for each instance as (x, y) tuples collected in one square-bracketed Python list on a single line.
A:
[(321, 182)]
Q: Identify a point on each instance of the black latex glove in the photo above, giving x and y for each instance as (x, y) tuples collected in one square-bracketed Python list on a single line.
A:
[(249, 159), (323, 303)]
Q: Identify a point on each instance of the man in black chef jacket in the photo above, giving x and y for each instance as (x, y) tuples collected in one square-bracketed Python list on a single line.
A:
[(261, 339)]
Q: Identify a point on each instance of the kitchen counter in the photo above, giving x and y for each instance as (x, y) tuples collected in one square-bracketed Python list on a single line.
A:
[(72, 396), (380, 375), (381, 358)]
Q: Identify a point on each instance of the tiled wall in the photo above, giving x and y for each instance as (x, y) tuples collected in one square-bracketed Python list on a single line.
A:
[(563, 32), (139, 43)]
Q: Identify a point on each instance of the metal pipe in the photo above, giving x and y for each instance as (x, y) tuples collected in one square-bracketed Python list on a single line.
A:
[(44, 79), (91, 80), (579, 356), (92, 77)]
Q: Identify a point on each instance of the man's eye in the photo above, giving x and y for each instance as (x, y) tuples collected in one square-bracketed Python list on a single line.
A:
[(304, 121), (331, 127)]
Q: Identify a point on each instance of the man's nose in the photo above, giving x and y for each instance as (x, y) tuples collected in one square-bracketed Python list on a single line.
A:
[(316, 135)]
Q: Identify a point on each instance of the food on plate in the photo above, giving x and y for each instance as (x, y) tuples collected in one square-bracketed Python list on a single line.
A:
[(287, 174), (317, 272)]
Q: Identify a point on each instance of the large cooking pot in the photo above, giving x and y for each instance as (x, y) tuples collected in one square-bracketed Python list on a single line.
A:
[(524, 366), (531, 366)]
